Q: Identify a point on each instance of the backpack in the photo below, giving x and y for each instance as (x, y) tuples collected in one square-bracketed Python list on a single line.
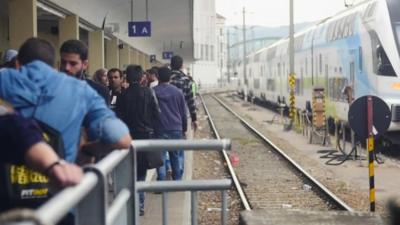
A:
[(24, 187)]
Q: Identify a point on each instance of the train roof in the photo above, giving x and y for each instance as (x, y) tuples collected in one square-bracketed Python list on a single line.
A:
[(340, 14)]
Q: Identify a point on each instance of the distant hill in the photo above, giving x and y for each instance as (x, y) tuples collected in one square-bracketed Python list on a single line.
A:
[(255, 32)]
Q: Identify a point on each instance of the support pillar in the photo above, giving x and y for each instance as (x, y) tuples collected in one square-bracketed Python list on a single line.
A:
[(112, 53), (96, 51), (124, 57), (147, 62), (132, 55), (68, 29), (23, 21), (135, 56)]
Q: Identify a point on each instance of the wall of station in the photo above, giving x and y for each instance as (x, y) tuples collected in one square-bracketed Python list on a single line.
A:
[(205, 68)]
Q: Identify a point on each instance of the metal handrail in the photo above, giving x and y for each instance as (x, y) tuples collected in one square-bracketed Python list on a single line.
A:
[(89, 200)]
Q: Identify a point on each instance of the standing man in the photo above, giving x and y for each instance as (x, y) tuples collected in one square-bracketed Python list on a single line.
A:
[(115, 79), (181, 81), (61, 102), (38, 91), (74, 62), (172, 123), (138, 108), (152, 77)]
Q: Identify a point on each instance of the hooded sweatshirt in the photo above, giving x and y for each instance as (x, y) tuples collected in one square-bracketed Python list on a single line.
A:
[(38, 91)]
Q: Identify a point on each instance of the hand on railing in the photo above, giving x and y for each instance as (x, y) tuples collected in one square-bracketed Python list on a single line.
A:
[(64, 174)]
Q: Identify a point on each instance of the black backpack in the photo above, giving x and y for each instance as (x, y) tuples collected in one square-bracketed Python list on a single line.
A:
[(23, 187)]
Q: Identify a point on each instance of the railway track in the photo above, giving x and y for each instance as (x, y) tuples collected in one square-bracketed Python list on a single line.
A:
[(266, 178)]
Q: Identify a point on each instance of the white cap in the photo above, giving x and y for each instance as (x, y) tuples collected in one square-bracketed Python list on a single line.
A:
[(9, 55)]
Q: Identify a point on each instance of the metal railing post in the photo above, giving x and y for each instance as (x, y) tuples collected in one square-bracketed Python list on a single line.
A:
[(92, 209), (194, 207), (125, 179), (164, 208), (224, 211), (135, 194), (89, 199)]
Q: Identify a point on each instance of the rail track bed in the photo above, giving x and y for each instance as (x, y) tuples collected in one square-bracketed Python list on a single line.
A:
[(269, 180)]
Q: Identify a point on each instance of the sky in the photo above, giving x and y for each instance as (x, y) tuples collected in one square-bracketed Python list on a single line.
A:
[(276, 12)]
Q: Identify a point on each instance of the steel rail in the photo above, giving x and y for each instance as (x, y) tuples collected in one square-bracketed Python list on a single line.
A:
[(340, 203), (235, 179)]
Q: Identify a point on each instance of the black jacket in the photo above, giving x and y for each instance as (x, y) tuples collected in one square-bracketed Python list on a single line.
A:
[(100, 89), (137, 106)]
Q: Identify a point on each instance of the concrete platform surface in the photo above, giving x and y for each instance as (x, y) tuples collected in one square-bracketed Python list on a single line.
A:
[(296, 217), (178, 203)]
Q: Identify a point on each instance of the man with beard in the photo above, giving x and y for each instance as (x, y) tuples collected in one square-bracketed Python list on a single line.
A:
[(115, 79), (74, 62)]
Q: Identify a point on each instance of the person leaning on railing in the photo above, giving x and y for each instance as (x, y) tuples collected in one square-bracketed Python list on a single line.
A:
[(22, 142)]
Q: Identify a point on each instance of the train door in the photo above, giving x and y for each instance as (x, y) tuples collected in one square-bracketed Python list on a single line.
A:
[(326, 79), (353, 74)]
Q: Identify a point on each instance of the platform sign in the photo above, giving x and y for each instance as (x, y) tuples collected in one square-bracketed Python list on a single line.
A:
[(139, 29), (357, 116), (167, 55), (153, 58)]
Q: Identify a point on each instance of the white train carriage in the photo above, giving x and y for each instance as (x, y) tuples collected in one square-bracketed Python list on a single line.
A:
[(351, 54)]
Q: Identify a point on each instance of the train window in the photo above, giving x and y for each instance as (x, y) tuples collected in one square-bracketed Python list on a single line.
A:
[(256, 83), (271, 85), (326, 76), (284, 68), (360, 58), (352, 73), (320, 63), (306, 66), (279, 69), (301, 81), (385, 68)]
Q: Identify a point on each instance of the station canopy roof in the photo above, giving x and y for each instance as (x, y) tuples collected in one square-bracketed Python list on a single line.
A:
[(171, 22)]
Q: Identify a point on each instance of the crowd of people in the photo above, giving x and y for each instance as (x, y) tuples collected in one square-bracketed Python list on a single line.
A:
[(55, 120)]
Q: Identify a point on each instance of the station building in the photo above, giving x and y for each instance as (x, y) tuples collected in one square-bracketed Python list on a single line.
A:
[(183, 27)]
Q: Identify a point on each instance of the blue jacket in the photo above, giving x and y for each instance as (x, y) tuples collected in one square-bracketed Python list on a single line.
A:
[(173, 108), (62, 102)]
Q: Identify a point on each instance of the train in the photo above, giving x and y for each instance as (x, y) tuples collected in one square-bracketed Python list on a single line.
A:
[(351, 54)]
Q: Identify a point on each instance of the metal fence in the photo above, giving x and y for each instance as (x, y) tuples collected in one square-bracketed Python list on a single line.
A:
[(108, 192)]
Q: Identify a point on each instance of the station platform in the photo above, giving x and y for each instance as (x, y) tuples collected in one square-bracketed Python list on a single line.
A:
[(178, 206), (296, 217)]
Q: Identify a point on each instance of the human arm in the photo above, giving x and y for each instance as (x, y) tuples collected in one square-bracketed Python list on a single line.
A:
[(42, 157), (182, 111), (23, 140), (105, 131)]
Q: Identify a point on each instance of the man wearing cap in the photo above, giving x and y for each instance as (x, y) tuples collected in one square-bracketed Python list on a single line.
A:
[(9, 59)]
